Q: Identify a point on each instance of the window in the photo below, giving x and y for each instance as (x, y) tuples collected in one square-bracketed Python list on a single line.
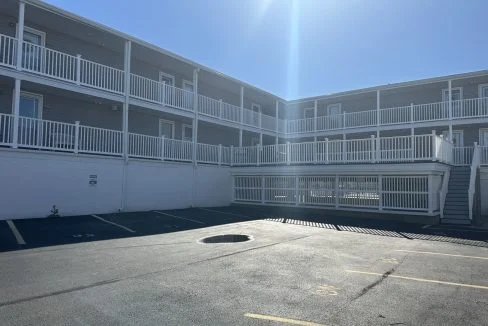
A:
[(187, 85), (166, 78), (256, 109), (187, 133), (166, 128), (32, 57), (484, 137), (308, 113), (334, 109), (483, 90), (30, 105), (456, 94), (457, 137)]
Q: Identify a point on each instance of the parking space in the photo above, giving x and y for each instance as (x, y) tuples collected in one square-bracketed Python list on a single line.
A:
[(301, 267)]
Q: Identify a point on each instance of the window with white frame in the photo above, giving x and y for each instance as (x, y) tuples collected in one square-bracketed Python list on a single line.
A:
[(256, 109), (483, 90), (334, 109), (187, 133), (187, 85), (308, 113), (166, 78), (32, 58), (457, 137), (166, 128), (484, 137)]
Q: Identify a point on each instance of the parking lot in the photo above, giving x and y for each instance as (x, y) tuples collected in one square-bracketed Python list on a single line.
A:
[(301, 267)]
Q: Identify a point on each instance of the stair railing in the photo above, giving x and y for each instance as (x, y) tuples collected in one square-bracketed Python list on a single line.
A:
[(443, 192), (475, 164)]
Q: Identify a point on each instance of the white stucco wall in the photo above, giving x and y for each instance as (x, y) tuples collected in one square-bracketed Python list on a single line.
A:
[(484, 190), (32, 182)]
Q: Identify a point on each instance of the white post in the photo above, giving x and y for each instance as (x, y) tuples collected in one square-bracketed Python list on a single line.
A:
[(286, 125), (336, 191), (77, 137), (344, 148), (297, 194), (326, 144), (262, 190), (220, 154), (432, 195), (344, 120), (162, 148), (288, 153), (449, 84), (314, 148), (315, 105), (195, 118), (378, 148), (240, 137), (412, 139), (434, 145), (372, 155), (231, 155), (260, 120), (261, 139), (15, 135), (277, 110), (378, 105), (78, 69), (411, 112), (20, 34), (125, 109), (380, 192), (242, 104), (258, 155), (220, 109)]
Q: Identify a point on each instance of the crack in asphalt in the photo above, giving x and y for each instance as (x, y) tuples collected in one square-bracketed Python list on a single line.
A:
[(111, 281)]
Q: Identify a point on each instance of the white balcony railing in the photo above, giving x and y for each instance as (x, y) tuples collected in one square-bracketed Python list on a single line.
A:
[(467, 108), (61, 136), (75, 69), (371, 150)]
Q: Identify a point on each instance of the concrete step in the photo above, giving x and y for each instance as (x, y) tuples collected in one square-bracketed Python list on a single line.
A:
[(457, 205), (456, 215), (455, 221)]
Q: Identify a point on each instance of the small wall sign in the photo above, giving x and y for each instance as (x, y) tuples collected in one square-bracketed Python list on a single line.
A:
[(92, 180)]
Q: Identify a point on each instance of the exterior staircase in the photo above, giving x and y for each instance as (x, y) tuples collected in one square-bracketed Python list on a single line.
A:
[(456, 208)]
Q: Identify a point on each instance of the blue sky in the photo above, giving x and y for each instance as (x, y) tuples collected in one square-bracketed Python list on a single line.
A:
[(300, 48)]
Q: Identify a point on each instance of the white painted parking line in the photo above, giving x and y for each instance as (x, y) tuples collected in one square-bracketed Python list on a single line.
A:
[(422, 280), (16, 232), (113, 223), (282, 320), (426, 226), (216, 211), (441, 254), (183, 218)]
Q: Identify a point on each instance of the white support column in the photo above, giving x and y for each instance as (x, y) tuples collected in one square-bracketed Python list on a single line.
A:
[(434, 145), (261, 138), (378, 105), (326, 150), (336, 186), (412, 135), (297, 193), (77, 137), (263, 197), (277, 111), (15, 131), (449, 85), (315, 115), (373, 150), (20, 34), (432, 194), (125, 121), (240, 137), (380, 192), (78, 69), (195, 117), (242, 104), (344, 147), (125, 109)]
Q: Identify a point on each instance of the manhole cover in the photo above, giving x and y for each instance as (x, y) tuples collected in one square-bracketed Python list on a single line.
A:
[(226, 238)]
